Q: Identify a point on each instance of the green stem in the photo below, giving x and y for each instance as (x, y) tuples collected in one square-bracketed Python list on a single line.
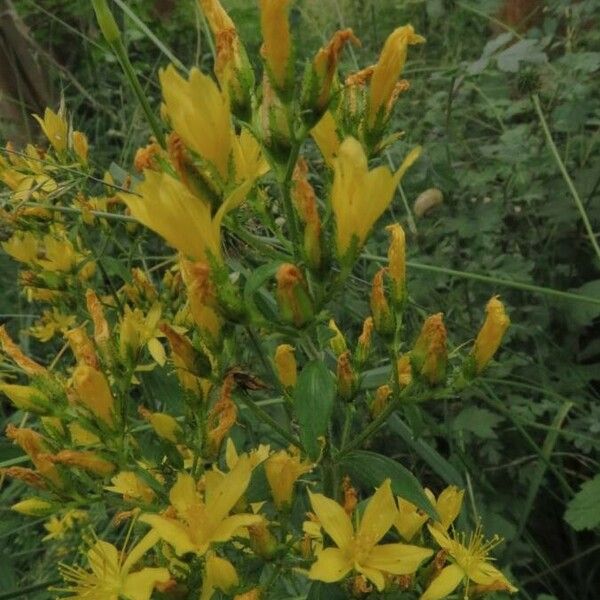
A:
[(561, 165), (269, 420), (536, 289), (286, 196)]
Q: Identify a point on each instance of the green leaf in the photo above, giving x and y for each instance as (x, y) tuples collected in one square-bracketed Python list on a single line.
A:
[(313, 403), (252, 287), (326, 591), (583, 511), (371, 469), (479, 421)]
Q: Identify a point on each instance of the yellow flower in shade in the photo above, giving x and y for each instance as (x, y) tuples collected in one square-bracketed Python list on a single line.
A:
[(110, 576), (55, 128), (219, 574), (277, 42), (131, 487), (285, 364), (491, 333), (195, 522), (199, 112), (165, 205), (388, 69), (359, 196), (283, 470), (469, 563), (22, 246), (410, 518), (51, 323), (359, 549), (92, 391), (326, 137)]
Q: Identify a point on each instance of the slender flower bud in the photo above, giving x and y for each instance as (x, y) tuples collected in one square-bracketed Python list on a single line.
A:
[(106, 21), (491, 333), (295, 304), (283, 470), (350, 496), (363, 348), (27, 476), (320, 76), (306, 206), (285, 364), (34, 507), (346, 377), (82, 347), (14, 352), (383, 316), (88, 461), (277, 44), (380, 401), (429, 356), (80, 145), (101, 329), (92, 391), (26, 397), (338, 342), (404, 370), (186, 358), (397, 263), (222, 416), (163, 424), (388, 69), (262, 541)]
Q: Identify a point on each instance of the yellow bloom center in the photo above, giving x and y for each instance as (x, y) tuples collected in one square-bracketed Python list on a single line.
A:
[(470, 552)]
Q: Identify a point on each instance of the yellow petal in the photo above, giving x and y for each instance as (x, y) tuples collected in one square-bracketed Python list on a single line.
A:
[(409, 521), (373, 575), (379, 515), (157, 351), (441, 538), (325, 135), (171, 531), (332, 565), (183, 494), (220, 574), (139, 586), (484, 573), (230, 526), (333, 519), (448, 505), (148, 541), (399, 559), (229, 490), (444, 584), (103, 558)]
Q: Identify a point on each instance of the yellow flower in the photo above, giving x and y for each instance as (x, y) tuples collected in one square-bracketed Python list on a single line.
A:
[(285, 364), (282, 470), (184, 220), (388, 69), (201, 521), (326, 137), (469, 563), (93, 392), (359, 549), (219, 574), (131, 486), (51, 323), (491, 333), (138, 331), (57, 527), (55, 128), (359, 196), (111, 577), (277, 43), (199, 112), (22, 246)]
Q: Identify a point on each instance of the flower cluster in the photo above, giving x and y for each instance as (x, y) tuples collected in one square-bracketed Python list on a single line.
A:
[(209, 404)]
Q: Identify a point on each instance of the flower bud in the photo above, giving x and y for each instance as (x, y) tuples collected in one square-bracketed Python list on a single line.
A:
[(346, 377), (26, 397), (285, 364), (88, 461), (363, 348), (34, 507), (262, 541), (277, 44), (383, 317), (163, 424), (80, 146), (338, 342), (101, 329), (189, 362), (491, 333), (274, 123), (14, 352), (397, 264), (404, 370), (222, 416), (382, 396), (27, 476), (93, 392), (429, 356), (82, 347), (295, 304)]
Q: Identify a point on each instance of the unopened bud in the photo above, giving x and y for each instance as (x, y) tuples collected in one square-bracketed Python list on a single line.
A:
[(93, 392), (88, 461), (80, 146), (363, 348), (383, 316), (338, 342), (285, 363), (295, 304), (404, 370), (346, 377), (34, 507), (397, 264), (262, 541), (26, 397), (163, 424), (106, 21), (491, 333), (429, 355), (382, 396)]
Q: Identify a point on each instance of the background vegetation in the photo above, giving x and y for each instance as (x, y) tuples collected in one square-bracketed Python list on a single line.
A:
[(490, 91)]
